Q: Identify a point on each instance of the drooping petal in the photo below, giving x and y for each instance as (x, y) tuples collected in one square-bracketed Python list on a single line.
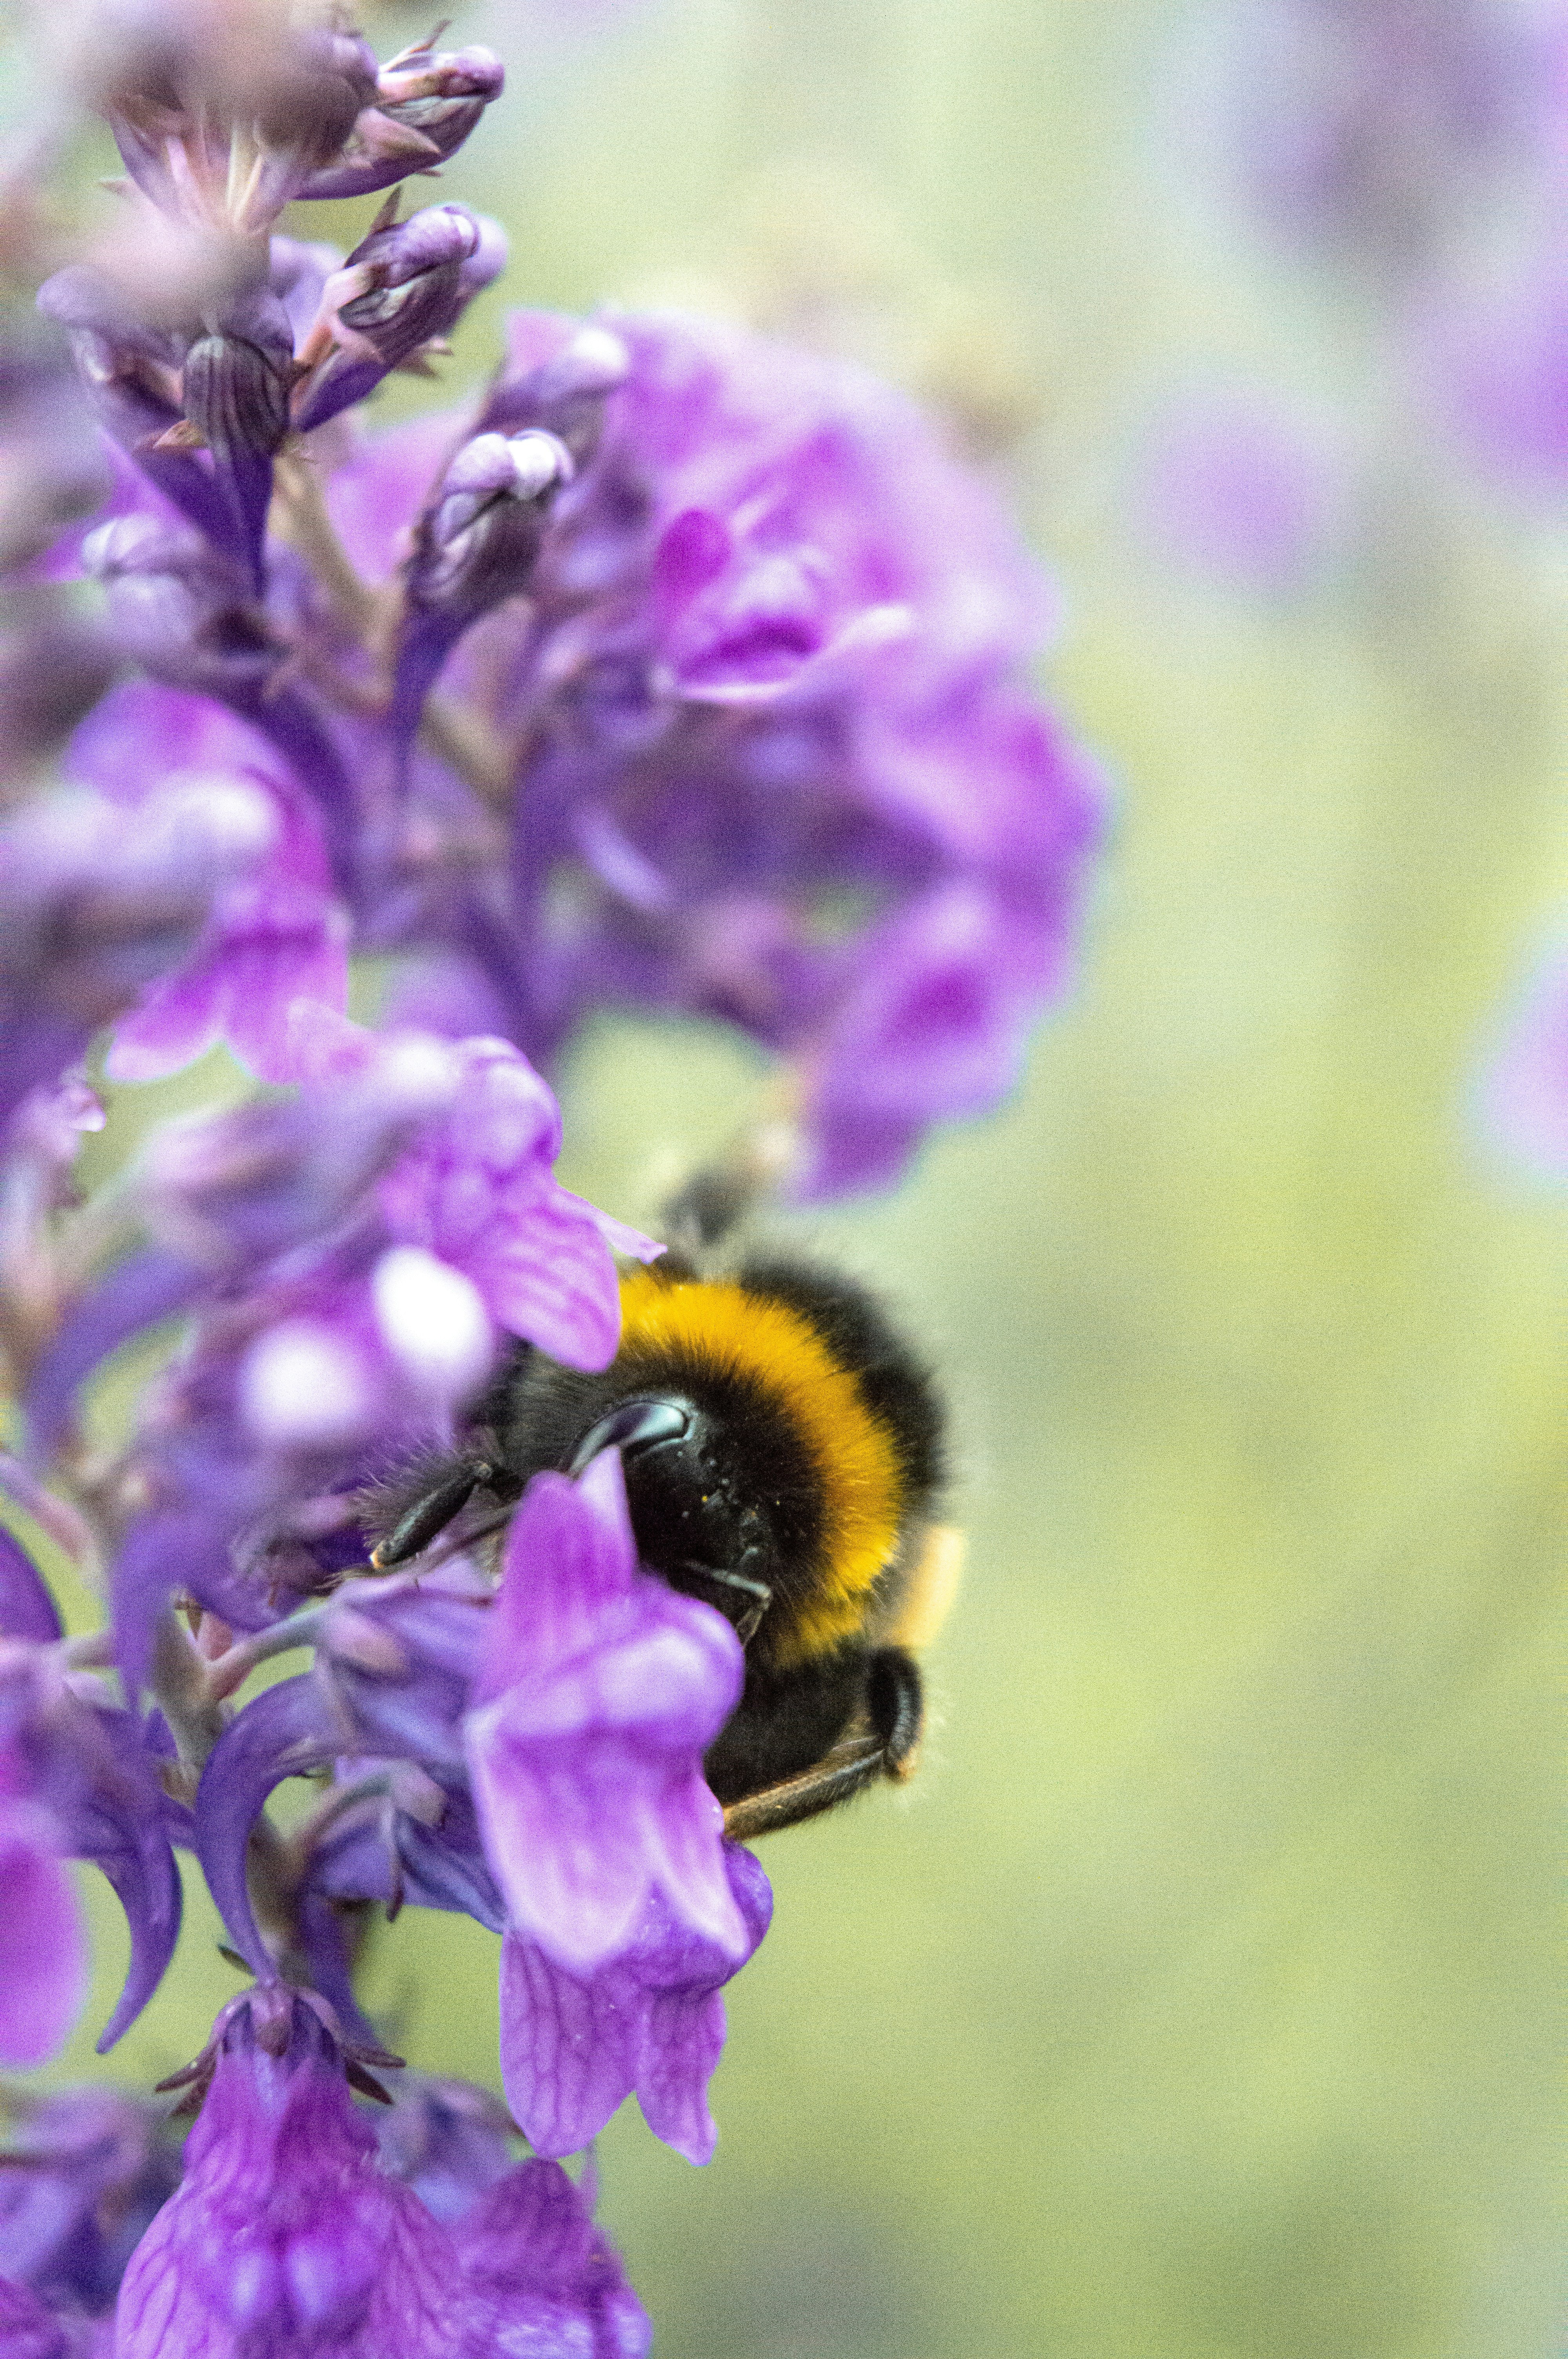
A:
[(26, 1609), (570, 2048), (43, 1941), (281, 1732), (574, 2044), (599, 1691)]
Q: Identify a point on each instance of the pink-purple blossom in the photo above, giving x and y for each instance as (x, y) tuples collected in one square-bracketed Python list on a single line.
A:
[(43, 1942), (648, 2020), (681, 674), (288, 2236), (599, 1691)]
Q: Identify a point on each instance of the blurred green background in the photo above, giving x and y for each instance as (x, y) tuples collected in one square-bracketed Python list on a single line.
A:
[(1199, 2001)]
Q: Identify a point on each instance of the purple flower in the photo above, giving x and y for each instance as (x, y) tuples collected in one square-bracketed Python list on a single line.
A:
[(427, 103), (76, 1781), (288, 2237), (573, 2046), (79, 2186), (1368, 125), (599, 1691), (770, 702), (43, 1945), (274, 934), (403, 287), (383, 1702), (92, 914), (224, 141), (1495, 364)]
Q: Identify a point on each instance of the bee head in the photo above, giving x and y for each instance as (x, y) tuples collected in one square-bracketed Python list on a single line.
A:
[(693, 1521)]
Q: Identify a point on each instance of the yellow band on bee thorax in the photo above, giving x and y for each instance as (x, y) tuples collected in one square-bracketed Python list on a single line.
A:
[(720, 1328)]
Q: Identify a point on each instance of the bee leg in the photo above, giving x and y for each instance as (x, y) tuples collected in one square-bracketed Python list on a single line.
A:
[(432, 1514), (749, 1599), (896, 1707), (882, 1744)]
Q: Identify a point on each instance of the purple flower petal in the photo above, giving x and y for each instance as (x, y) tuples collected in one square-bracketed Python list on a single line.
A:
[(599, 1691), (43, 1942), (291, 2239), (569, 2048), (281, 1732), (573, 2045), (26, 1609)]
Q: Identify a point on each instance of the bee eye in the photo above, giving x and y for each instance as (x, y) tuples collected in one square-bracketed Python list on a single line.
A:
[(637, 1425)]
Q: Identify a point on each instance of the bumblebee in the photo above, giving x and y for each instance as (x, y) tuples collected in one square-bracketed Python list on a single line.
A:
[(784, 1455)]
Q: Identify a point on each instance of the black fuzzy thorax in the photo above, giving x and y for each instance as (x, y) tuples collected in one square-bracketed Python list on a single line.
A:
[(743, 1491)]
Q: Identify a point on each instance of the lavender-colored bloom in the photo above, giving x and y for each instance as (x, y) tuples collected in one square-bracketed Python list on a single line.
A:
[(1495, 366), (76, 1781), (43, 1946), (573, 2046), (600, 1688), (384, 1701), (182, 608), (403, 286), (92, 914), (86, 2171), (1368, 125), (1524, 1095), (770, 703), (274, 934), (427, 103), (760, 734), (286, 2237), (355, 1255)]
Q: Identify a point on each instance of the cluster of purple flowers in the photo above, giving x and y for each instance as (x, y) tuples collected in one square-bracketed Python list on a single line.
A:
[(684, 674), (1420, 149)]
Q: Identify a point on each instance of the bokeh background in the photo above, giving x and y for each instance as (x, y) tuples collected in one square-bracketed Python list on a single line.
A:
[(1199, 2001)]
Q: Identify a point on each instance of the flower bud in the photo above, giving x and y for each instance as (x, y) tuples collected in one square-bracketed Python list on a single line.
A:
[(222, 140), (132, 374), (427, 103), (477, 543), (236, 387), (566, 395), (402, 284), (182, 610), (474, 546)]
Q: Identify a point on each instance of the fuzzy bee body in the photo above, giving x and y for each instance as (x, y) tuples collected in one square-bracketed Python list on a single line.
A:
[(783, 1455)]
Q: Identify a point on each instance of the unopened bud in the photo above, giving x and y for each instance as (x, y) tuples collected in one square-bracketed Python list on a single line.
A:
[(405, 284), (478, 542), (181, 610), (235, 388), (224, 143), (565, 395), (427, 103)]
